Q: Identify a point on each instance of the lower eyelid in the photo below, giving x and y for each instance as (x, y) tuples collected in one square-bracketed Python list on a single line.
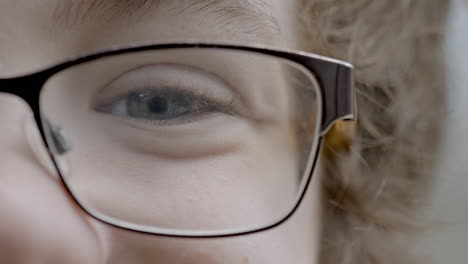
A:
[(186, 119), (212, 136), (181, 129)]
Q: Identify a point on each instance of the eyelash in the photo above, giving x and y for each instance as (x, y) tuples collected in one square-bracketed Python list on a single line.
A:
[(213, 105)]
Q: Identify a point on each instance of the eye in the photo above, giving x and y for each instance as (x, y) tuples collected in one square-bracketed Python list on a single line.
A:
[(165, 105), (159, 106), (167, 94)]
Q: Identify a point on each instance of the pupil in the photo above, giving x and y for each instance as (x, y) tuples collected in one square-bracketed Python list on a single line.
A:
[(158, 105)]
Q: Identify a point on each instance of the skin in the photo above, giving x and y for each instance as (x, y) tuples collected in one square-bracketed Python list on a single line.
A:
[(41, 223)]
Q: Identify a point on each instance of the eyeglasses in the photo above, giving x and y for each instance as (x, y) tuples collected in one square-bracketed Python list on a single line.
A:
[(188, 139)]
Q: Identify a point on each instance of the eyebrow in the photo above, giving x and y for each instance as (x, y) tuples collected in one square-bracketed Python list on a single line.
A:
[(253, 16)]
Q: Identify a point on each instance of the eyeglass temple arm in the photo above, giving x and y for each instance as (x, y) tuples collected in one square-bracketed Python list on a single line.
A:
[(337, 88)]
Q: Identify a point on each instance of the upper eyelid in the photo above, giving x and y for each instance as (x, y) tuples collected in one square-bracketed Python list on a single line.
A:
[(107, 94), (186, 69)]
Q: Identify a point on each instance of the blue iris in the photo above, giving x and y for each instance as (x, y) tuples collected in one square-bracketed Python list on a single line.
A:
[(153, 105)]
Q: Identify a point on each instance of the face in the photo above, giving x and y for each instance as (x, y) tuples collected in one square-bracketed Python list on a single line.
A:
[(169, 151)]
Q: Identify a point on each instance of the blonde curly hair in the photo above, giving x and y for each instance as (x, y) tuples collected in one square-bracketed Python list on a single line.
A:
[(374, 189)]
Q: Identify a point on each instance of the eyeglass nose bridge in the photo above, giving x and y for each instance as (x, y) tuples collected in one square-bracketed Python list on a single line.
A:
[(26, 87)]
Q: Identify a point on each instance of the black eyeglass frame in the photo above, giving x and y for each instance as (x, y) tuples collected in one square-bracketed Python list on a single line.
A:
[(334, 77)]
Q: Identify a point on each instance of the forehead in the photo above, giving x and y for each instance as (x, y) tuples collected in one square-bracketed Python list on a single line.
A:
[(37, 33), (64, 28)]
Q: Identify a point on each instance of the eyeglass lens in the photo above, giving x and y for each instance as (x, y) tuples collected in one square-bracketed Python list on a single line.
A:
[(184, 139)]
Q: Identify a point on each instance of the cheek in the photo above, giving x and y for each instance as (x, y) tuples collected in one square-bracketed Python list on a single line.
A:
[(38, 222), (296, 241), (247, 177)]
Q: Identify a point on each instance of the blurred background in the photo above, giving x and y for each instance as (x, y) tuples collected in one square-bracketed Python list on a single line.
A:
[(447, 239)]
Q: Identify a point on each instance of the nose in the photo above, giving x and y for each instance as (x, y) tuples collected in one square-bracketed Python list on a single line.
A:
[(12, 114), (39, 223)]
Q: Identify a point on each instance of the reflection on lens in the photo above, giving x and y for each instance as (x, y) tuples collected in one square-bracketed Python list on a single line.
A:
[(192, 139)]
